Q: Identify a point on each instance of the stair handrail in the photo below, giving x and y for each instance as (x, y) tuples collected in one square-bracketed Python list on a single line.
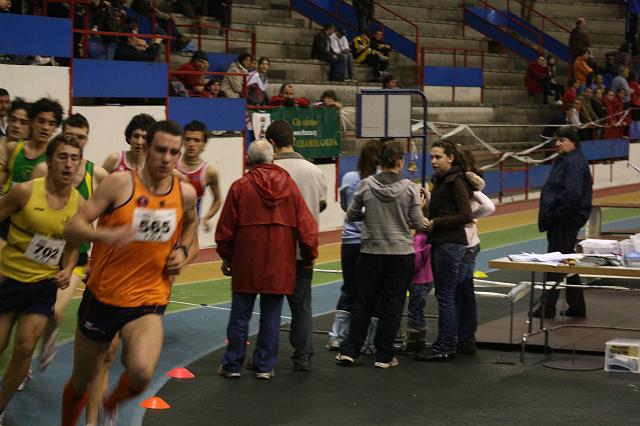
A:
[(465, 51), (538, 34), (411, 23), (201, 26), (542, 16)]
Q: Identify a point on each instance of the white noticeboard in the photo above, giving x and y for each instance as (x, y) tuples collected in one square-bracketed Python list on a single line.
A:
[(383, 115)]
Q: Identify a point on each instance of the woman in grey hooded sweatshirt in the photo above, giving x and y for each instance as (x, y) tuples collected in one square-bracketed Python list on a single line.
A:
[(388, 206)]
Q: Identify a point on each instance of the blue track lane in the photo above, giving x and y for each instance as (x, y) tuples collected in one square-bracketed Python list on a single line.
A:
[(190, 335)]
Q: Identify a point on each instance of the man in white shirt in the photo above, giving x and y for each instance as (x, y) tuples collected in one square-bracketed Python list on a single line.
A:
[(340, 46)]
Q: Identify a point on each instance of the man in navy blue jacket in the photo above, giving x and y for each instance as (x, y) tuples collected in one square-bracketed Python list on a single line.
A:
[(565, 205)]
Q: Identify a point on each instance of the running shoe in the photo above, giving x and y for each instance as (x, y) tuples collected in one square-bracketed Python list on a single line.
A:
[(26, 380)]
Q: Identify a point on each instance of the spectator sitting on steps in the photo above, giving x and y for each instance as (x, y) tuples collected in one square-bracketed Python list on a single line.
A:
[(194, 83), (389, 82), (340, 47), (598, 83), (555, 88), (383, 50), (570, 93), (165, 21), (287, 98), (321, 50), (232, 84), (133, 48), (536, 79), (620, 82), (364, 54)]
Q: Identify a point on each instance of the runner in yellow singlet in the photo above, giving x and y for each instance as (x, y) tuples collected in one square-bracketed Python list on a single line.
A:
[(30, 263)]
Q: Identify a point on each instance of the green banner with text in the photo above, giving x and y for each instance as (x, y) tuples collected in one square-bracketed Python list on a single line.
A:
[(317, 130)]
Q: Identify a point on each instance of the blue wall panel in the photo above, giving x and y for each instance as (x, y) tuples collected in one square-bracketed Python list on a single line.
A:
[(217, 114), (220, 62), (119, 79), (453, 76), (35, 35)]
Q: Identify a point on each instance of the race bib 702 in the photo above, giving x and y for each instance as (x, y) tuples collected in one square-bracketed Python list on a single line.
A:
[(44, 250)]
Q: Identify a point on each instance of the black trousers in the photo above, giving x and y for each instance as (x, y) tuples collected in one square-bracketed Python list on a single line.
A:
[(562, 237), (382, 282)]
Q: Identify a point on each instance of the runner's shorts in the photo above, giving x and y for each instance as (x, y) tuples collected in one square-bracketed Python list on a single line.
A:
[(28, 298), (101, 322)]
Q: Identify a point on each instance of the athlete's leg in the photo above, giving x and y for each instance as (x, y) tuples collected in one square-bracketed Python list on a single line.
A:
[(98, 387), (30, 328), (88, 357), (141, 343), (63, 298), (7, 319)]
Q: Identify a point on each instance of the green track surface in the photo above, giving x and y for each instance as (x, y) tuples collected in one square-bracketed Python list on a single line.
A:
[(218, 291)]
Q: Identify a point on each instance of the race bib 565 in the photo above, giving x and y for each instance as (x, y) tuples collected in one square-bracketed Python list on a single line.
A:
[(154, 224)]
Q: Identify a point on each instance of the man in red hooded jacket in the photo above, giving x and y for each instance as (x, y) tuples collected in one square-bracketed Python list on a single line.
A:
[(263, 219)]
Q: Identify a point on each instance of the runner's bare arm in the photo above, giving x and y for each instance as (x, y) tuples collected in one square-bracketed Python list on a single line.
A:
[(212, 183), (179, 175), (112, 192), (99, 174), (69, 261), (179, 257), (110, 163), (15, 200)]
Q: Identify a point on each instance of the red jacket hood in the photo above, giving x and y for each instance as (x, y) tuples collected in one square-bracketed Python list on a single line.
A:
[(272, 183)]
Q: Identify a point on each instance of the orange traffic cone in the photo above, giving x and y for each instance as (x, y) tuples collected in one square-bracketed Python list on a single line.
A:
[(155, 403), (181, 373)]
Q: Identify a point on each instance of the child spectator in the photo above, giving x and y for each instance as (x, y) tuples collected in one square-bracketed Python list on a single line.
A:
[(582, 72), (194, 83), (421, 285), (597, 105), (257, 84), (287, 98), (340, 47), (213, 87), (389, 82), (233, 84), (572, 113), (598, 83), (382, 49), (614, 108), (569, 94), (329, 99)]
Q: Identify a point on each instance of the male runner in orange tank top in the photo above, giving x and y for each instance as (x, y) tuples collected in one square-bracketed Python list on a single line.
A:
[(146, 223)]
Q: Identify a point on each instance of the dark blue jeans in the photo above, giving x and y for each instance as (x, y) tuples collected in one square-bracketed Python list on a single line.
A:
[(382, 282), (446, 260), (466, 297), (417, 302), (265, 356)]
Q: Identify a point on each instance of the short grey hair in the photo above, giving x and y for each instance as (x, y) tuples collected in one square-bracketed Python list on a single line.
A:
[(260, 152)]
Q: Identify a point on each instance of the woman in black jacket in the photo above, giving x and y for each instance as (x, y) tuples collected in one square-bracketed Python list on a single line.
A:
[(449, 211)]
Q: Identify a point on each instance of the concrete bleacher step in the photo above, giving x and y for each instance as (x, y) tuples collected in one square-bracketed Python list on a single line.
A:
[(568, 8)]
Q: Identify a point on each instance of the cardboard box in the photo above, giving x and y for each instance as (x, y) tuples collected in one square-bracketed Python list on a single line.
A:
[(622, 356)]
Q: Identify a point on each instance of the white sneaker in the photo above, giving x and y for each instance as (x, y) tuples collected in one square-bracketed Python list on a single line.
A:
[(333, 345), (266, 376), (110, 418), (393, 363), (49, 350), (558, 102), (344, 360)]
